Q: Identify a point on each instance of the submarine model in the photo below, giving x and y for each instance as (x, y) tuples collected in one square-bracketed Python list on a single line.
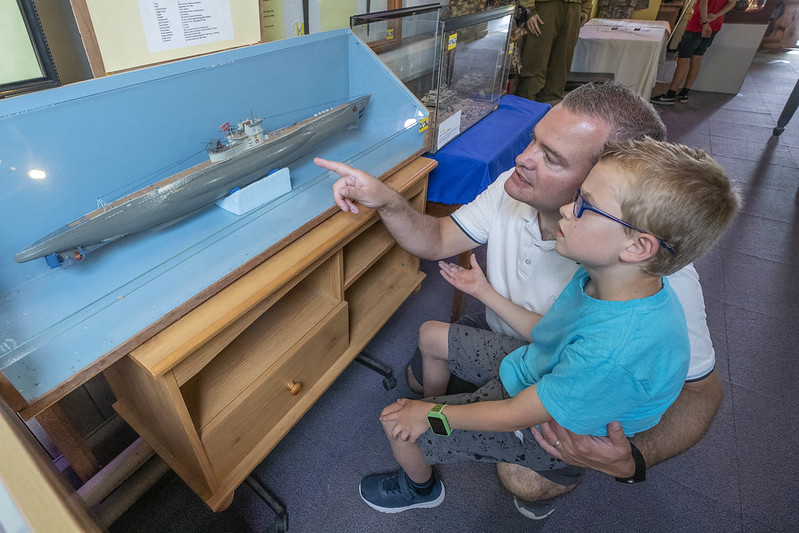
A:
[(246, 156)]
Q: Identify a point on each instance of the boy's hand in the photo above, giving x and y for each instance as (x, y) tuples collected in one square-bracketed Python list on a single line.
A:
[(409, 418), (471, 281)]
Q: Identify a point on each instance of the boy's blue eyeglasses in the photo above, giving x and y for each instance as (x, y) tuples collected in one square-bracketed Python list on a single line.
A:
[(581, 205)]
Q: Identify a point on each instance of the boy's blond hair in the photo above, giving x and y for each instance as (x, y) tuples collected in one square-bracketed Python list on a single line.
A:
[(679, 194)]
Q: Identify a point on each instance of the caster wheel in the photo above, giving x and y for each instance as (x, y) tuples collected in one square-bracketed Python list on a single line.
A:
[(777, 131), (389, 383)]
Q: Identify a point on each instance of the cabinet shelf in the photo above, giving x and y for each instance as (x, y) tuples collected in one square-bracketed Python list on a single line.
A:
[(367, 312), (362, 253)]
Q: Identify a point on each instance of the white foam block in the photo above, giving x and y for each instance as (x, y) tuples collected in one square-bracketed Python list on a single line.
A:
[(258, 193)]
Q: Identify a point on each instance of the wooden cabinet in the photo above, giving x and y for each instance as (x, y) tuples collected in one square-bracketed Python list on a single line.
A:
[(214, 392)]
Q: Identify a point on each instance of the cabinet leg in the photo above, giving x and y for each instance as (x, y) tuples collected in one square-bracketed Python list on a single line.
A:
[(225, 504), (389, 381), (282, 518), (58, 427)]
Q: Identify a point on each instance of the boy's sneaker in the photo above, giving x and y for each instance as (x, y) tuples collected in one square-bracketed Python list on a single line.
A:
[(682, 97), (392, 493), (535, 510), (663, 99)]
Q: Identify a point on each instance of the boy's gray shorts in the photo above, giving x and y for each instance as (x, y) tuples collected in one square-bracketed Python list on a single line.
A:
[(475, 355)]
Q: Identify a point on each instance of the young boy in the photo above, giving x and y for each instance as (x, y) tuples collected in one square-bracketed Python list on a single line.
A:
[(613, 346), (701, 29)]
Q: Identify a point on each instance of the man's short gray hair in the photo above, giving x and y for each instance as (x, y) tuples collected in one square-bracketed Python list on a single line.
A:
[(630, 117)]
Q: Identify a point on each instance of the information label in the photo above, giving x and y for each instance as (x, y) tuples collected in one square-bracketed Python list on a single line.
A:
[(170, 24), (449, 129)]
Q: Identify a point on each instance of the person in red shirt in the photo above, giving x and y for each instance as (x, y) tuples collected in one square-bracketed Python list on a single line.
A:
[(702, 27)]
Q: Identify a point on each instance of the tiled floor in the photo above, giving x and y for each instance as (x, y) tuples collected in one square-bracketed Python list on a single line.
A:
[(744, 476)]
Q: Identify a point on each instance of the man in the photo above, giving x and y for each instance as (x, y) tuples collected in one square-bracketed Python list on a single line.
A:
[(517, 217)]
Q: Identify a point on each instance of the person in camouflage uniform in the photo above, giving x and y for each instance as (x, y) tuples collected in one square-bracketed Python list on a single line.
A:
[(548, 45)]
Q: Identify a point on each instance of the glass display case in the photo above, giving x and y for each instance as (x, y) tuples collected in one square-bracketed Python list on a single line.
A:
[(456, 65), (135, 147), (405, 40)]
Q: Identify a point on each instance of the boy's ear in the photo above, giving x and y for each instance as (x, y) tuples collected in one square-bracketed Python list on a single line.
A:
[(640, 248)]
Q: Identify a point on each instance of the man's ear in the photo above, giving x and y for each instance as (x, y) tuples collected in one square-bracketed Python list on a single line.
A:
[(640, 248)]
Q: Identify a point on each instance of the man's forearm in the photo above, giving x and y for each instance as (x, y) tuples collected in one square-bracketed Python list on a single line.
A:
[(423, 235), (684, 423), (416, 232)]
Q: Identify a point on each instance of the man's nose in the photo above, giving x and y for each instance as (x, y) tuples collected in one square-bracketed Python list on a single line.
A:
[(526, 159)]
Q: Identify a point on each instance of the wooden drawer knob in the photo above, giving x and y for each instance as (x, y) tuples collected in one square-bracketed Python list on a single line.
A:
[(294, 388)]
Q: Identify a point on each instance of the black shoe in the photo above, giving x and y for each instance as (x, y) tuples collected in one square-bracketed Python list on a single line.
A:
[(682, 97), (663, 99)]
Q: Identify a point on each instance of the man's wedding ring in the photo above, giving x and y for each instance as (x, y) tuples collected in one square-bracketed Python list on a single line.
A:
[(557, 443)]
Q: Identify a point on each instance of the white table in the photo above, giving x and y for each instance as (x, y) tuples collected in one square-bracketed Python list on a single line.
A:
[(630, 49)]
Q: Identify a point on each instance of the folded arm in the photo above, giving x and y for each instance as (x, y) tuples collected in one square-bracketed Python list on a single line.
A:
[(409, 417)]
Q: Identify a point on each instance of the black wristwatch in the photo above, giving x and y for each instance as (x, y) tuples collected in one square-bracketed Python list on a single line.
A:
[(640, 467)]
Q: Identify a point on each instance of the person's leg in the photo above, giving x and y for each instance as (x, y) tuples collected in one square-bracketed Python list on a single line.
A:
[(409, 457), (685, 50), (414, 372), (693, 71), (534, 496), (410, 375), (435, 360), (696, 61), (535, 53), (528, 484), (560, 58), (680, 73), (415, 486)]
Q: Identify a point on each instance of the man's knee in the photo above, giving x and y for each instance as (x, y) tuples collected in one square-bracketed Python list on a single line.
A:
[(527, 484)]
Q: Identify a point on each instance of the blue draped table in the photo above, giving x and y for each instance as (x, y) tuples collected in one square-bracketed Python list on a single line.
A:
[(467, 165)]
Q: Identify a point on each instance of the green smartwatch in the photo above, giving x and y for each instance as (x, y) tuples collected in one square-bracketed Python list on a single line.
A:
[(438, 421)]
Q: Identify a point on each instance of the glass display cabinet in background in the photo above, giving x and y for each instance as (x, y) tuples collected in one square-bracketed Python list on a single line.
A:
[(456, 65)]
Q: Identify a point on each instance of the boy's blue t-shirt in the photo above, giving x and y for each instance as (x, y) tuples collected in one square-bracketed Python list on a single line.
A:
[(596, 361)]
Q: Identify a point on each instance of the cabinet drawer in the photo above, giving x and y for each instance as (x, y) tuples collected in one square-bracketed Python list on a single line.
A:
[(267, 408)]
